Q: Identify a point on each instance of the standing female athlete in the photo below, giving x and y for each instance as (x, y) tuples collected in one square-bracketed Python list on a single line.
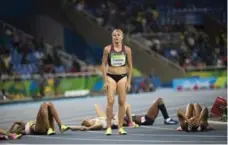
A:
[(117, 77)]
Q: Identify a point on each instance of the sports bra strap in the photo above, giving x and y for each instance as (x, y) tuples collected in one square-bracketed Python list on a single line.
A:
[(113, 50), (123, 48)]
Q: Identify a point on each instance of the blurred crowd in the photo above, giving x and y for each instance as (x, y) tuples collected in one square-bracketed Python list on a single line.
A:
[(23, 55), (160, 28)]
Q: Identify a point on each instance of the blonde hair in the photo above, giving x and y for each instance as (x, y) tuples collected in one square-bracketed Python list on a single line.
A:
[(85, 123), (118, 30)]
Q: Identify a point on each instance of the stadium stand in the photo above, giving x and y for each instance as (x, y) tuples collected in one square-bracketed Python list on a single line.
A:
[(24, 55), (171, 28)]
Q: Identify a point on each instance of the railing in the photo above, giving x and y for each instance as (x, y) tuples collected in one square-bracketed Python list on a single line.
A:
[(70, 57), (15, 29)]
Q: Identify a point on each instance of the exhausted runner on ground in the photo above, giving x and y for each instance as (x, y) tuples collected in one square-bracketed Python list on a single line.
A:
[(44, 123), (99, 122), (151, 115), (194, 119)]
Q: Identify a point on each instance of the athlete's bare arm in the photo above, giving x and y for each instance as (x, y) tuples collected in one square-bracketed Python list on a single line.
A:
[(96, 126), (78, 128), (130, 65), (104, 63), (19, 123)]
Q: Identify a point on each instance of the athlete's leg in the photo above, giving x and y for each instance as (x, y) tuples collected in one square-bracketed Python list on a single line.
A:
[(130, 121), (197, 109), (122, 94), (55, 115), (184, 117), (157, 105), (42, 122), (153, 110), (189, 111), (128, 111), (99, 111), (51, 119), (202, 115), (110, 102)]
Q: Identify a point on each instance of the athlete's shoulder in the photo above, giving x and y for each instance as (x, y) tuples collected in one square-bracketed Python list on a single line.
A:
[(107, 48), (127, 48)]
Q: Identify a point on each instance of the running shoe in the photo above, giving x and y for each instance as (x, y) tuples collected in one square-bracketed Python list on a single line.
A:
[(50, 131), (122, 131), (133, 125), (108, 131), (64, 128), (170, 121)]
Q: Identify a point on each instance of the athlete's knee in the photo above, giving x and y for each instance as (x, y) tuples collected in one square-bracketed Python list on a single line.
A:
[(50, 104), (160, 100), (196, 104), (44, 109), (205, 110), (127, 105), (44, 105), (190, 105), (179, 110), (122, 101), (110, 101)]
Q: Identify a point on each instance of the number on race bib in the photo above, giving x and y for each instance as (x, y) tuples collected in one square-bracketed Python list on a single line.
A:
[(118, 59)]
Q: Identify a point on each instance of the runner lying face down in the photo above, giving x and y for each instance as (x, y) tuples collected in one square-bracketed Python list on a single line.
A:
[(100, 123), (151, 115), (44, 123), (6, 135), (194, 119)]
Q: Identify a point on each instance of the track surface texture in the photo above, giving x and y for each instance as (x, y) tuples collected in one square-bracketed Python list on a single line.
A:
[(72, 111)]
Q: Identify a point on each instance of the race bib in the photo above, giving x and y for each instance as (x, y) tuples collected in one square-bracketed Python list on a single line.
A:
[(118, 59)]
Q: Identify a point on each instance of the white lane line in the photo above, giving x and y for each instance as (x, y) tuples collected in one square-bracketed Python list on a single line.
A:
[(123, 140), (169, 135)]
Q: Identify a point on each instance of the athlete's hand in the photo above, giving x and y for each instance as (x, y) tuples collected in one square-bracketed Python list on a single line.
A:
[(128, 87), (194, 121), (83, 128)]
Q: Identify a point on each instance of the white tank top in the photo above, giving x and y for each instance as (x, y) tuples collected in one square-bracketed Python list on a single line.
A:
[(101, 120), (28, 127)]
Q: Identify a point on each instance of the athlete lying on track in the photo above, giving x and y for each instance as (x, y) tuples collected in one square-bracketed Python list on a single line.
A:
[(194, 119), (151, 115), (130, 120), (99, 122), (44, 123)]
